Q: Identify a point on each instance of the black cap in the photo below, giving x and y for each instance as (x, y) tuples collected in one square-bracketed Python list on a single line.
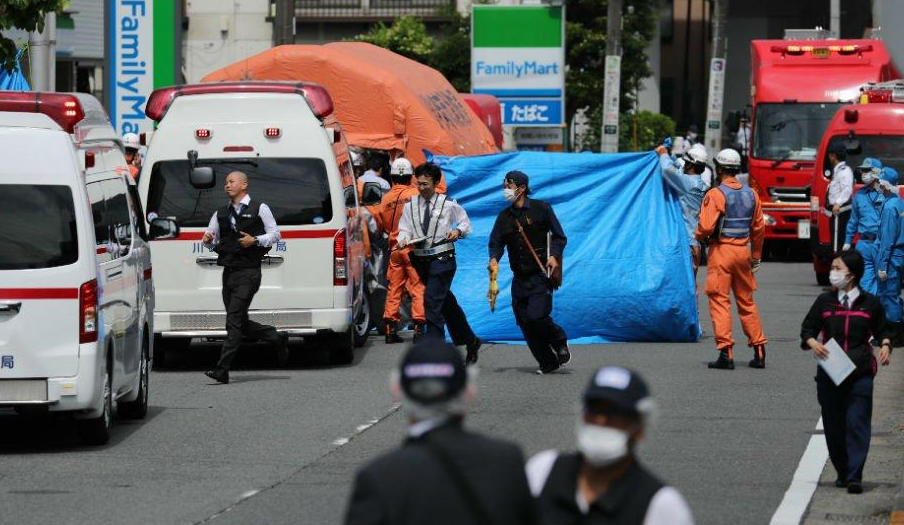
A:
[(617, 386), (432, 372), (519, 178), (693, 128), (839, 150)]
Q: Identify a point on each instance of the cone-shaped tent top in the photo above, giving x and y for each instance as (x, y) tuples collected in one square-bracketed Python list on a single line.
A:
[(383, 100)]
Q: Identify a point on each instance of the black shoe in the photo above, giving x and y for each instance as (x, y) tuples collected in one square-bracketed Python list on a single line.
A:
[(220, 376), (855, 487), (544, 370), (282, 350), (723, 362), (471, 357), (418, 331), (840, 483), (564, 355), (759, 357), (392, 333)]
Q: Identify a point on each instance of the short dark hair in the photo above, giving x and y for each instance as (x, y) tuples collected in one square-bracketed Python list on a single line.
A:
[(854, 261), (428, 169), (375, 162), (839, 151)]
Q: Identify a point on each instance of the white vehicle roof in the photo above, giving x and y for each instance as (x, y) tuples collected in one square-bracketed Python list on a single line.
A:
[(9, 119), (36, 155)]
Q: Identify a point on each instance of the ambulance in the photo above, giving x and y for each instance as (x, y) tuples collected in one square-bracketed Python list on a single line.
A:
[(76, 288), (286, 139)]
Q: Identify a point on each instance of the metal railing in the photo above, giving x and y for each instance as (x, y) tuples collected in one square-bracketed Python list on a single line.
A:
[(372, 9)]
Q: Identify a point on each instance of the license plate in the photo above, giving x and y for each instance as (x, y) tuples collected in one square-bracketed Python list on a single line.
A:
[(803, 229), (820, 52)]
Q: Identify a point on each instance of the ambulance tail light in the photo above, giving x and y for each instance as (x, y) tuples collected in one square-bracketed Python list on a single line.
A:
[(89, 159), (272, 133), (87, 317), (340, 258), (317, 97), (851, 115), (64, 108), (202, 134)]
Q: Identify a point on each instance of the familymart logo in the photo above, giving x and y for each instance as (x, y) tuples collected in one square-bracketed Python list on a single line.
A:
[(517, 69)]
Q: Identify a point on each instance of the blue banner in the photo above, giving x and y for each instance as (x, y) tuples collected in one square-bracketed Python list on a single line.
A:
[(531, 111), (627, 266)]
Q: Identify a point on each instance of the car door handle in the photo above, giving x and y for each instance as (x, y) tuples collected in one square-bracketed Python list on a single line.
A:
[(273, 259), (10, 307), (207, 260)]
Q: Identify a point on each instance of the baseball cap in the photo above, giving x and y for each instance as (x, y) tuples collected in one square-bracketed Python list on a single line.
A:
[(518, 177), (432, 372), (622, 388)]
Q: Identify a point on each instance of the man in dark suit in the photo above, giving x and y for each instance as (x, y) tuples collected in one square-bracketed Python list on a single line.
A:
[(443, 474)]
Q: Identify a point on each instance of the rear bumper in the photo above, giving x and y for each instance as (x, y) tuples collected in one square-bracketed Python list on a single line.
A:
[(295, 322), (784, 223), (75, 393)]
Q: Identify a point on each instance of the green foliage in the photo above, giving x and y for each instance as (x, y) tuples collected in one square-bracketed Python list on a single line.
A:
[(406, 36), (22, 14), (651, 128)]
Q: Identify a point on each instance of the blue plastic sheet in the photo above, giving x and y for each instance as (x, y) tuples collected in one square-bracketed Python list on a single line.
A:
[(15, 80), (627, 267)]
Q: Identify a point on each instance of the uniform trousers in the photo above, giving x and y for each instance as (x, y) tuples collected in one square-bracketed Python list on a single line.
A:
[(532, 304), (841, 220), (728, 271), (870, 251), (239, 287), (890, 290), (847, 412), (403, 278), (440, 306)]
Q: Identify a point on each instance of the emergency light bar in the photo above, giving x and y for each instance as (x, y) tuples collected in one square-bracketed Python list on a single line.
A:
[(822, 50), (882, 92), (66, 109), (316, 95)]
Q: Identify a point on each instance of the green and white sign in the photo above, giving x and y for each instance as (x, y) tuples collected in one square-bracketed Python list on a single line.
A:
[(518, 55)]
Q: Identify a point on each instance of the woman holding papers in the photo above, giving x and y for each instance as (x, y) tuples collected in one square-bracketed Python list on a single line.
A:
[(838, 329)]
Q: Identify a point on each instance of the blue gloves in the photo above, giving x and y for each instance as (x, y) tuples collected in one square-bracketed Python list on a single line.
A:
[(667, 143)]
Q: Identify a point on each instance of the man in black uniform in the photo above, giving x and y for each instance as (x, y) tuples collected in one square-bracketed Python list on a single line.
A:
[(603, 482), (241, 232), (443, 474), (533, 262)]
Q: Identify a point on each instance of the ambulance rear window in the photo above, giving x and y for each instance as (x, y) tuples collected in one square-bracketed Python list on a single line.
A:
[(297, 190), (39, 228)]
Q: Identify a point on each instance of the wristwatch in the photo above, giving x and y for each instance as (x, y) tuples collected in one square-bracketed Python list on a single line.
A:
[(257, 242)]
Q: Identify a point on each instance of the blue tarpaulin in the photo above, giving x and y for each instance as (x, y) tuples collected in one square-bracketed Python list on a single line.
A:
[(627, 266), (15, 80)]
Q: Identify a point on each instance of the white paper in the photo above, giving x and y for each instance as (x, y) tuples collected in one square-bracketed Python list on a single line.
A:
[(838, 365)]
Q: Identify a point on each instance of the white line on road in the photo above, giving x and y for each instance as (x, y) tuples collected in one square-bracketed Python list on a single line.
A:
[(804, 483)]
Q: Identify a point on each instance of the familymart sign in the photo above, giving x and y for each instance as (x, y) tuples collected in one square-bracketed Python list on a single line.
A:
[(518, 55)]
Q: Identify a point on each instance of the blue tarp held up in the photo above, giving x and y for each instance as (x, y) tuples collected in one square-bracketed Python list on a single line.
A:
[(14, 81), (627, 268)]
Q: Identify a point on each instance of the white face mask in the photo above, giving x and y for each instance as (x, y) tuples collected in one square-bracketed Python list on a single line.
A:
[(510, 194), (867, 178), (601, 446), (838, 278)]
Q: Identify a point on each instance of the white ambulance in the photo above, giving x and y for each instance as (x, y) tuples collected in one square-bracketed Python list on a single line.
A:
[(76, 290), (285, 138)]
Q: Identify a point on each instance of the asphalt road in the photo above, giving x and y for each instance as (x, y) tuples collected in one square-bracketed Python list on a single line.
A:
[(282, 445)]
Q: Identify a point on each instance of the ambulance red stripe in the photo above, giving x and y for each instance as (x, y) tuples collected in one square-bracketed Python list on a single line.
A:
[(38, 293)]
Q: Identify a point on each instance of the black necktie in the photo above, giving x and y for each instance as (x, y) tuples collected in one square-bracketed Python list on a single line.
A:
[(844, 301), (425, 222), (236, 215)]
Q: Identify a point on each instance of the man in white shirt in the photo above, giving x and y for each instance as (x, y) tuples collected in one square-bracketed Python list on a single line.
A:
[(374, 173), (431, 223), (241, 232), (603, 482), (838, 199)]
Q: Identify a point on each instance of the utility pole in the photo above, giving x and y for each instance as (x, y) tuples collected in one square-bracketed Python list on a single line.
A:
[(284, 23), (42, 55), (612, 86), (835, 18), (716, 96)]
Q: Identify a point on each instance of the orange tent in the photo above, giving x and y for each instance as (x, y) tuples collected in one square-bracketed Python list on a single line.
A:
[(383, 100)]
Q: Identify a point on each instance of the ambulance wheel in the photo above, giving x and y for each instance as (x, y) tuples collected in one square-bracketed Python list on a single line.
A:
[(139, 408), (362, 325), (341, 346), (96, 431)]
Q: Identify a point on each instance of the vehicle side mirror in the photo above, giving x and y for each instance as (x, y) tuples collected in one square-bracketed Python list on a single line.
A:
[(371, 194), (163, 228), (202, 178)]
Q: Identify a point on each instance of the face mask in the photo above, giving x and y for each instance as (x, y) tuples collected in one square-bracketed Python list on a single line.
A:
[(838, 279), (509, 194), (601, 446), (868, 178)]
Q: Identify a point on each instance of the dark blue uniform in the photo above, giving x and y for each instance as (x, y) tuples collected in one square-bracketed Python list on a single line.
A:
[(531, 288)]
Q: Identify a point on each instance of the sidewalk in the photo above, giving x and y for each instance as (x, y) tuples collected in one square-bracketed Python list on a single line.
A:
[(882, 476)]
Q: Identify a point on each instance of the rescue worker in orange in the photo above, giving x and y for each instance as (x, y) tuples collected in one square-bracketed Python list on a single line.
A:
[(401, 274), (131, 143), (730, 219)]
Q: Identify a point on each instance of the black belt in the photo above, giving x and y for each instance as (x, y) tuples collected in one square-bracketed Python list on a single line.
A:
[(438, 257), (868, 236)]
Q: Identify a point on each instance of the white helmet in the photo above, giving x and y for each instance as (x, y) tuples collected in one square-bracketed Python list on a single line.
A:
[(130, 140), (697, 154), (401, 167), (729, 159), (356, 158)]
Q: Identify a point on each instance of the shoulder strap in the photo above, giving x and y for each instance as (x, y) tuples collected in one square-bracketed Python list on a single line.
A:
[(254, 208), (465, 490)]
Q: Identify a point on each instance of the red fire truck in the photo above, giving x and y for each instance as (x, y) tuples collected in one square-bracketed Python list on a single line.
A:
[(872, 128), (797, 86)]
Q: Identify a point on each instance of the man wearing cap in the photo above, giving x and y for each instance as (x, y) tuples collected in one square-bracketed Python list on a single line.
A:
[(838, 198), (603, 482), (890, 253), (443, 473), (864, 221), (535, 241)]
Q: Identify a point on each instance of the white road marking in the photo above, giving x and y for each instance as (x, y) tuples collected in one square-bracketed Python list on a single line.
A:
[(804, 483)]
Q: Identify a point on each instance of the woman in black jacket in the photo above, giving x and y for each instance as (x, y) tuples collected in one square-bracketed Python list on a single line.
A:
[(851, 317)]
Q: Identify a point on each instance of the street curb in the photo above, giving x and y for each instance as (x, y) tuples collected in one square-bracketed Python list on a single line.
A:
[(897, 512)]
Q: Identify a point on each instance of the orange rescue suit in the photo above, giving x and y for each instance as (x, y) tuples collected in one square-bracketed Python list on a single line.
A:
[(400, 274), (728, 268)]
